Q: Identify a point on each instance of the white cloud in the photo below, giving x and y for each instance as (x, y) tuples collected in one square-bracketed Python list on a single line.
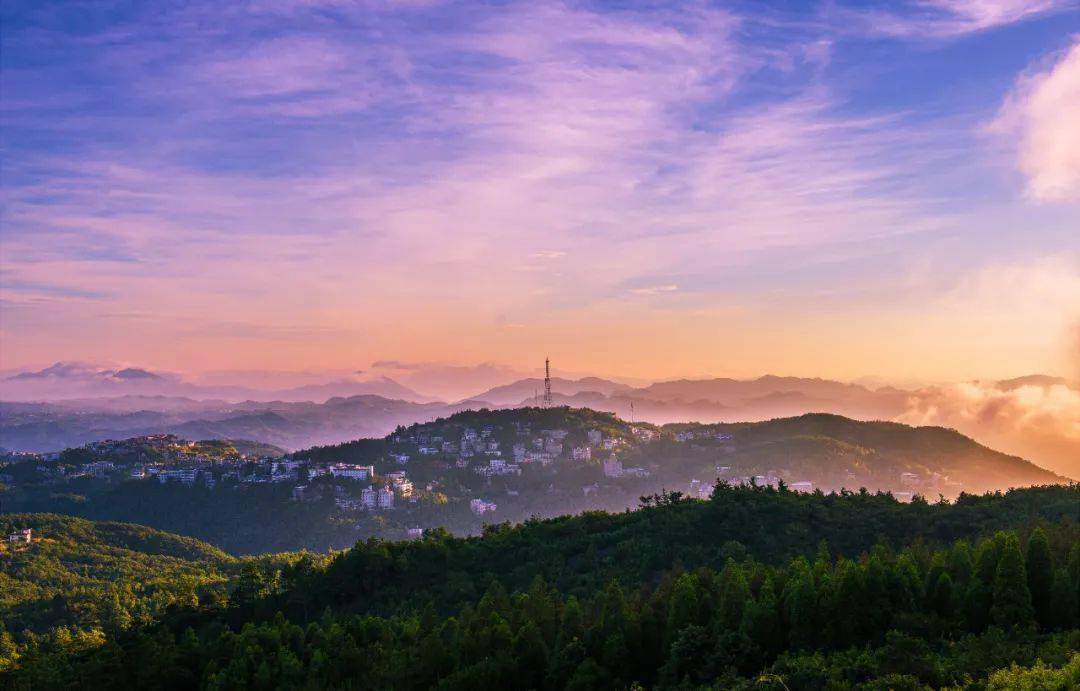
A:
[(1043, 114), (548, 254), (943, 19), (655, 290)]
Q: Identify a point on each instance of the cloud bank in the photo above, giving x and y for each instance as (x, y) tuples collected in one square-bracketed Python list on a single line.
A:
[(1040, 421), (1043, 112)]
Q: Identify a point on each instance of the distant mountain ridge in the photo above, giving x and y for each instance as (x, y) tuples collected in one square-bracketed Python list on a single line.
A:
[(708, 400), (1033, 416), (522, 390), (65, 381)]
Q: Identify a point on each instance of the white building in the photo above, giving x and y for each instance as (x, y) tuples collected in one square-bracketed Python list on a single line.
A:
[(644, 433), (480, 507), (581, 453), (369, 497), (98, 468), (20, 537), (595, 437), (184, 475), (416, 533), (802, 486), (385, 498), (352, 472), (402, 485)]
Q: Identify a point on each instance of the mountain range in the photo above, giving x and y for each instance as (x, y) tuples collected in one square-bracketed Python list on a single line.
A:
[(75, 381), (70, 404)]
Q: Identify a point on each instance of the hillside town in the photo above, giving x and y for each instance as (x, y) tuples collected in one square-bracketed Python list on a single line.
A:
[(472, 468)]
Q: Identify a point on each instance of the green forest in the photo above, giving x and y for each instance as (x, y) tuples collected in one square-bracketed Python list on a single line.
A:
[(753, 588)]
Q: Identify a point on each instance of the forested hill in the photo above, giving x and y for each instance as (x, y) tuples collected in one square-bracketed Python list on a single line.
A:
[(754, 588), (891, 445), (831, 451), (78, 579), (579, 554), (79, 583)]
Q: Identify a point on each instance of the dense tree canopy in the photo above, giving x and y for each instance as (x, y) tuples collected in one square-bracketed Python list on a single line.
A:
[(724, 593)]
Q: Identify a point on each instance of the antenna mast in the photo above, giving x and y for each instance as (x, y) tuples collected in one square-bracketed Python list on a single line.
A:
[(547, 382)]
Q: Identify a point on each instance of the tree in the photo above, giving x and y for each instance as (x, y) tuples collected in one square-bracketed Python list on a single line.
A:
[(734, 593), (571, 627), (1064, 602), (941, 598), (761, 621), (800, 600), (1040, 578), (683, 609), (687, 656), (1012, 599), (531, 656), (249, 586)]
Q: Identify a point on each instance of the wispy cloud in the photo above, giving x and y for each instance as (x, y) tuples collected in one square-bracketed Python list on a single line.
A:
[(655, 290), (941, 19), (452, 166)]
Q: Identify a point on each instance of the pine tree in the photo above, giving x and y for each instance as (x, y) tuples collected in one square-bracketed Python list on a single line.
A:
[(800, 600), (941, 599), (937, 567), (572, 626), (960, 563), (1064, 602), (1040, 577), (1012, 599), (734, 592), (979, 597), (761, 621), (530, 656), (683, 609)]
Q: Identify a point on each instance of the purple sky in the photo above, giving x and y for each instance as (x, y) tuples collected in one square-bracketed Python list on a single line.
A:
[(837, 189)]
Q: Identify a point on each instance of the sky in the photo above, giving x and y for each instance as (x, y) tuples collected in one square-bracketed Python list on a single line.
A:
[(640, 189)]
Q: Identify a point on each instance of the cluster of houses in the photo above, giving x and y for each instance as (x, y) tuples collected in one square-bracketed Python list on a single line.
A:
[(489, 451), (912, 484), (701, 434), (371, 498), (613, 468)]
